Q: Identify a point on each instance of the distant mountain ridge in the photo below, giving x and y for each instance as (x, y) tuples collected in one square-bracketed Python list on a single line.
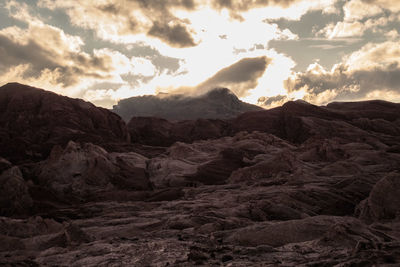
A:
[(219, 103)]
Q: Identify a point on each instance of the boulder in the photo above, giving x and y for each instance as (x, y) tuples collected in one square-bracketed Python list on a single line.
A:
[(383, 202), (281, 233), (84, 169), (14, 195)]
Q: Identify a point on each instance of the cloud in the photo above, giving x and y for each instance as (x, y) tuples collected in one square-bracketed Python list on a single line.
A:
[(19, 11), (358, 10), (359, 17), (375, 55), (175, 34), (244, 5), (58, 61), (343, 29), (123, 21), (142, 66), (45, 56), (239, 77), (393, 34), (46, 48), (237, 7), (374, 68), (326, 46), (130, 21), (273, 101), (392, 5), (198, 45)]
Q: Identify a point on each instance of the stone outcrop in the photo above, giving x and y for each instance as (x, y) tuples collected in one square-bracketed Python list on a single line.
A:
[(84, 170), (295, 121), (383, 202), (32, 121), (298, 185), (14, 194)]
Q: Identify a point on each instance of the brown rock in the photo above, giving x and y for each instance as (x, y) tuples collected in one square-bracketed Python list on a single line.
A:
[(161, 132), (14, 195), (83, 170), (279, 234), (383, 202), (218, 103), (4, 164), (32, 121)]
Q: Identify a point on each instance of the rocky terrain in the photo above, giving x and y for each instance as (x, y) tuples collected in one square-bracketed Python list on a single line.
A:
[(219, 103), (298, 185), (32, 121)]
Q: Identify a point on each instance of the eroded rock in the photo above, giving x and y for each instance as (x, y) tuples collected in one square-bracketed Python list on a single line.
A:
[(14, 195), (83, 170), (383, 202)]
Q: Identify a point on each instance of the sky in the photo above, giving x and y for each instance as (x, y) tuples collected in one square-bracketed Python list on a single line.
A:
[(266, 51)]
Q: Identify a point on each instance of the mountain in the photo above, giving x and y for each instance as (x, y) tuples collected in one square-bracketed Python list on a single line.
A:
[(297, 185), (295, 121), (33, 120), (161, 132), (219, 103)]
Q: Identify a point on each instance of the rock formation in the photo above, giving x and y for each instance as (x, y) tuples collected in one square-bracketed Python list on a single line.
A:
[(84, 170), (219, 103), (32, 121), (298, 185)]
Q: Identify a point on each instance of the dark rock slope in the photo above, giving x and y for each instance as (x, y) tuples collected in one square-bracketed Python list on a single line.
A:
[(298, 185), (295, 121), (219, 103), (161, 132), (32, 121)]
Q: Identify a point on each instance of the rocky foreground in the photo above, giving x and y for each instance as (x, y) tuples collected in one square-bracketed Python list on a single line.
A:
[(298, 185)]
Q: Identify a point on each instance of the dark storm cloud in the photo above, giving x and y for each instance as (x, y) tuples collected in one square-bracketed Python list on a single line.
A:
[(176, 35), (240, 76)]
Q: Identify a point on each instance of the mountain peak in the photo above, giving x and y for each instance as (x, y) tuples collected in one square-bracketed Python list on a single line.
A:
[(220, 91), (218, 103)]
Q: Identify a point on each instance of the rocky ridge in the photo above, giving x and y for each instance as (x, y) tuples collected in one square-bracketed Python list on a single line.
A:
[(32, 121), (219, 103), (299, 185)]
